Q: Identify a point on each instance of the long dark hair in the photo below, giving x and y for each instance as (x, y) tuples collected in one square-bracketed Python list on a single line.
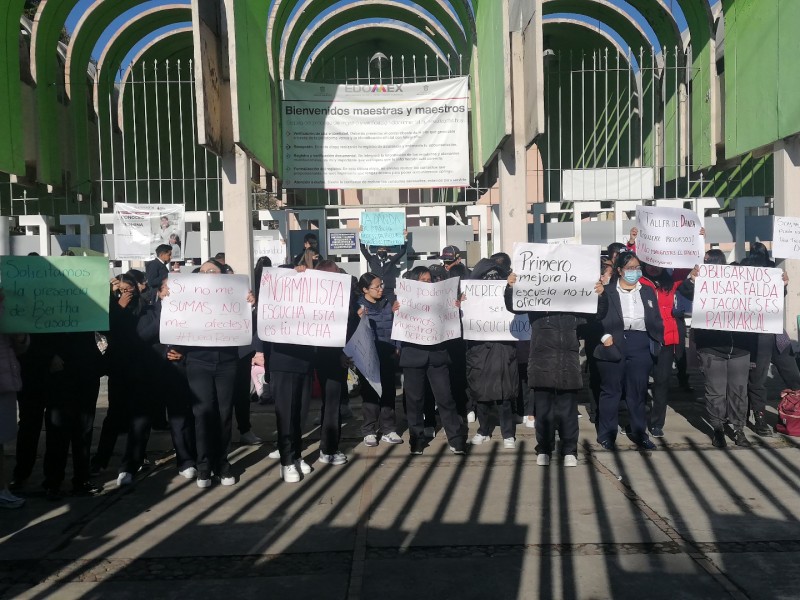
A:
[(417, 272), (137, 302), (715, 256), (365, 282), (623, 258)]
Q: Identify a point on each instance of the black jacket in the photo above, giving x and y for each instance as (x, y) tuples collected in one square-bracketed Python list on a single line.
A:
[(492, 371), (609, 312), (385, 268), (156, 272)]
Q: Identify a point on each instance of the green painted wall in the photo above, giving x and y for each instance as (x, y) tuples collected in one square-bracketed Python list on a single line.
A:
[(11, 150)]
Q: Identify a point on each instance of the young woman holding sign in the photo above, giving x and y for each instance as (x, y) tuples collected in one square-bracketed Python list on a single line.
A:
[(633, 332)]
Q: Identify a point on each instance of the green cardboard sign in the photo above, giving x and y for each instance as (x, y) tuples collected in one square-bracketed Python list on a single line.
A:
[(54, 294)]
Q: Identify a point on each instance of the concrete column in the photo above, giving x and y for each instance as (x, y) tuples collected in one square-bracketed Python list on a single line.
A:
[(482, 212), (43, 223), (5, 235), (203, 218), (787, 190), (80, 224), (238, 210)]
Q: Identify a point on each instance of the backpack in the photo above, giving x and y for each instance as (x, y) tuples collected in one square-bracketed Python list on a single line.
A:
[(789, 413)]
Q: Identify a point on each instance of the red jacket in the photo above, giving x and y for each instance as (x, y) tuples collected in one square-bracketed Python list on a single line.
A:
[(666, 303)]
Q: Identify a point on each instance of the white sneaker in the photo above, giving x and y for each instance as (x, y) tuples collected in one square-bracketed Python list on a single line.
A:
[(530, 422), (430, 432), (203, 479), (250, 438), (274, 454), (471, 416), (333, 459), (510, 443), (543, 460), (478, 439), (570, 460), (370, 441), (305, 468), (392, 438), (227, 480), (188, 473), (290, 474), (124, 479), (9, 500)]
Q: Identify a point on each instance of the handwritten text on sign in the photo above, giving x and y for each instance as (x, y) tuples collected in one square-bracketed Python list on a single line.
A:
[(484, 315), (556, 277), (55, 294), (308, 309), (428, 313), (669, 237), (786, 237), (206, 310), (734, 298), (382, 228)]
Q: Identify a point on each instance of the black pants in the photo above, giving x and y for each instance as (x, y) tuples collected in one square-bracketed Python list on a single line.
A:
[(69, 420), (439, 378), (32, 400), (661, 376), (332, 380), (458, 376), (289, 391), (141, 412), (525, 406), (116, 419), (505, 414), (556, 410), (241, 393), (179, 413), (757, 381), (630, 375), (726, 389), (212, 386), (378, 411)]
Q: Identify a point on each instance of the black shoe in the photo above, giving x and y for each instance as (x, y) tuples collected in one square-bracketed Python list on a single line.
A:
[(608, 445), (657, 432), (16, 485), (718, 438), (87, 488), (740, 439), (417, 447), (647, 445), (53, 494), (760, 425)]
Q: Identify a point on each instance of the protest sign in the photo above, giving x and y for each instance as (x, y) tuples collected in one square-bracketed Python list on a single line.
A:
[(140, 228), (383, 228), (361, 349), (484, 315), (558, 277), (206, 310), (669, 237), (308, 309), (735, 298), (428, 313), (274, 249), (786, 237), (54, 294), (389, 136)]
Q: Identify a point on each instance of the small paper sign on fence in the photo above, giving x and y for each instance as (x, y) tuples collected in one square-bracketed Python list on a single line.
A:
[(308, 309), (786, 237), (558, 277), (736, 298), (206, 310), (428, 313)]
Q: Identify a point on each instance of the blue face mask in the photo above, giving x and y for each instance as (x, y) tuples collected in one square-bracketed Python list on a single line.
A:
[(632, 276)]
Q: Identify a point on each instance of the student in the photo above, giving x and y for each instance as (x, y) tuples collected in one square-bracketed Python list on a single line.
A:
[(384, 266), (632, 333), (378, 411), (310, 242), (431, 363)]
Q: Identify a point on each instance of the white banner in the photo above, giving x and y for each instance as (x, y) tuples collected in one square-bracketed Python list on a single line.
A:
[(428, 313), (735, 298), (786, 237), (608, 184), (558, 277), (206, 310), (140, 228), (361, 349), (484, 315), (308, 309), (408, 135), (275, 249), (669, 237)]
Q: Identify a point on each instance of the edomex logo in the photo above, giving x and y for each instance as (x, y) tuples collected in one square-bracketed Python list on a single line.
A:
[(377, 88)]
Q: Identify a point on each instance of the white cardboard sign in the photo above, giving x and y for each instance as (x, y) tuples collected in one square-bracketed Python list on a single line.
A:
[(206, 310), (557, 277), (736, 298), (484, 316), (140, 228), (428, 313), (669, 237), (786, 237), (308, 309)]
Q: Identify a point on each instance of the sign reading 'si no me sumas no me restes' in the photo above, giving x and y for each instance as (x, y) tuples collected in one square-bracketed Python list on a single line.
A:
[(669, 237), (307, 309), (736, 298), (206, 310), (559, 278), (54, 294)]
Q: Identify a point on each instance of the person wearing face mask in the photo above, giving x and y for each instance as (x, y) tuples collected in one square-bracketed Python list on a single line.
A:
[(633, 332), (385, 266)]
